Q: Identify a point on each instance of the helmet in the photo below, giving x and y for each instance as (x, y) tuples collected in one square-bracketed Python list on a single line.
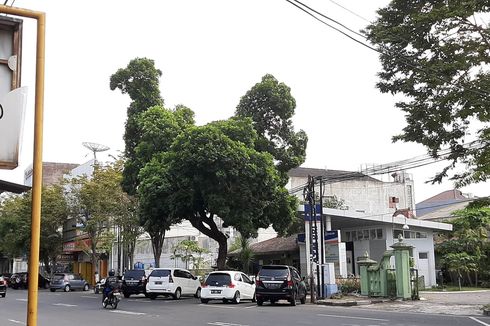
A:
[(112, 272)]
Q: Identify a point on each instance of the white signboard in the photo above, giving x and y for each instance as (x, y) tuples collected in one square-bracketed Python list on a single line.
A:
[(12, 110)]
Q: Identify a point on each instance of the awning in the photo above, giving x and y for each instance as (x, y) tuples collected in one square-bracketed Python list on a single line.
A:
[(16, 188)]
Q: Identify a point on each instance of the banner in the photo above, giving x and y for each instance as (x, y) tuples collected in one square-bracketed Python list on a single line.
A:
[(12, 110)]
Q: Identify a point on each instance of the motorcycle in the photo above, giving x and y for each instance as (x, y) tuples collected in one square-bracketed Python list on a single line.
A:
[(99, 286), (112, 299)]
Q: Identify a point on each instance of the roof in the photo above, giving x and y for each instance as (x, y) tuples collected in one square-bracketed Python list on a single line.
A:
[(6, 186), (274, 245), (444, 212), (445, 198), (341, 175)]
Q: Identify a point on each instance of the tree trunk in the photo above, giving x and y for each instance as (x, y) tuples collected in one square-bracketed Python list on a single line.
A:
[(157, 239), (95, 262), (199, 222)]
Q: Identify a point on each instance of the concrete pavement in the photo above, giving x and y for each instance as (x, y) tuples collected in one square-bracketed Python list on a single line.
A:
[(467, 303)]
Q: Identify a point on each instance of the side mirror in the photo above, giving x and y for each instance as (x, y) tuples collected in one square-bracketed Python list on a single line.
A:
[(194, 277), (303, 278)]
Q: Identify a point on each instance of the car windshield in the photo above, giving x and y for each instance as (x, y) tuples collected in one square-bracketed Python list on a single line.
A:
[(218, 279), (58, 276), (276, 272), (160, 272), (136, 273)]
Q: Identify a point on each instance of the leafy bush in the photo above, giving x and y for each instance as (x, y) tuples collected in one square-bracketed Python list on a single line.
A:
[(349, 285)]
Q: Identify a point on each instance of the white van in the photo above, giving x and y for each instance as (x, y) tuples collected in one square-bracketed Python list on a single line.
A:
[(173, 282)]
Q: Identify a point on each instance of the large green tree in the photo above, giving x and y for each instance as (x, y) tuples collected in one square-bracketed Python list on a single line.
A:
[(140, 80), (435, 54), (159, 127), (213, 173), (15, 225), (271, 107), (96, 201)]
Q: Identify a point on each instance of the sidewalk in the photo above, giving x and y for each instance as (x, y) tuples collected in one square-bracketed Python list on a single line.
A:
[(450, 303)]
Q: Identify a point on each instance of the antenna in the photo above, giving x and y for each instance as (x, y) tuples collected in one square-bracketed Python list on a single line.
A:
[(94, 147)]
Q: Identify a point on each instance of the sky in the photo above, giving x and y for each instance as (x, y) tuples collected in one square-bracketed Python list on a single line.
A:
[(210, 54)]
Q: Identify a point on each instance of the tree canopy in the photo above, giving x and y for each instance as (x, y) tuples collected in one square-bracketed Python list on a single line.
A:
[(210, 172), (271, 107), (436, 54)]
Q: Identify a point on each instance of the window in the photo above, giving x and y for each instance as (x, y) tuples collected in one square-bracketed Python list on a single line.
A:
[(372, 234), (10, 53), (379, 233), (423, 255), (246, 279), (348, 236), (160, 273)]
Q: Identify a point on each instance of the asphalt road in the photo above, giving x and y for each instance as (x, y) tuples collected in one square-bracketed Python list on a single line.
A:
[(84, 308)]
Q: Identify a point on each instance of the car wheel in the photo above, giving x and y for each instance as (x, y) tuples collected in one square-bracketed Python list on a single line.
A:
[(273, 301), (67, 288), (204, 300), (260, 302), (198, 293), (3, 295), (177, 294), (85, 287), (293, 299), (236, 298), (225, 300), (52, 290), (254, 298), (126, 295)]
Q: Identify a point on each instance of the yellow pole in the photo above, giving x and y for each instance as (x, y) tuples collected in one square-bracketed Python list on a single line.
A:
[(37, 160)]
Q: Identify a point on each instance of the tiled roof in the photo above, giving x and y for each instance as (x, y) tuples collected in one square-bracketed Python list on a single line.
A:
[(279, 244), (444, 212), (435, 203)]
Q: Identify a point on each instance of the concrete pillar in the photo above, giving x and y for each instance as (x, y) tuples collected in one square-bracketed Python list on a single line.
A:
[(364, 263), (402, 267)]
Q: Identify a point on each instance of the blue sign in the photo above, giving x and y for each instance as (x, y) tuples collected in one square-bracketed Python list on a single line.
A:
[(317, 212)]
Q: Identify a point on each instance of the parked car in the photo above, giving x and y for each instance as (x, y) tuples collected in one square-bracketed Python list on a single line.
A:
[(134, 282), (279, 282), (68, 282), (20, 281), (227, 285), (172, 282), (3, 287), (6, 278)]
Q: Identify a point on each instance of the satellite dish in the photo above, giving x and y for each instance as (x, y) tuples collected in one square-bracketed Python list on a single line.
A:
[(94, 147)]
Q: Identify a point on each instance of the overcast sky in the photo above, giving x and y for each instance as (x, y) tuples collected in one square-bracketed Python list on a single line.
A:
[(212, 52)]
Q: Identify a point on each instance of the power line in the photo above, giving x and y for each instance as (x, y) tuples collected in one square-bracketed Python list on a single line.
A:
[(384, 50), (352, 12)]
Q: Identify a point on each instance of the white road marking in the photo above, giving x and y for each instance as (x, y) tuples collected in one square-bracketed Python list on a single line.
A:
[(216, 306), (16, 321), (124, 312), (254, 306), (219, 323), (363, 318), (134, 300), (479, 321), (87, 296), (25, 300), (65, 305)]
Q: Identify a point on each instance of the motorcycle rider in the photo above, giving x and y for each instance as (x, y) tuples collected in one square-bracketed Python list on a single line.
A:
[(111, 283)]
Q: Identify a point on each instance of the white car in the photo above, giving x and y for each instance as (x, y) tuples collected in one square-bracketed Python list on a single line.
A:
[(228, 285), (173, 282)]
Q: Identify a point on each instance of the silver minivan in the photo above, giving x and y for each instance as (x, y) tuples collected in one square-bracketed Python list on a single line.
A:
[(68, 282)]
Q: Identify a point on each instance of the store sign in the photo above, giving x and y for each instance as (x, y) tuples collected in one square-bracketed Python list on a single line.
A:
[(12, 110)]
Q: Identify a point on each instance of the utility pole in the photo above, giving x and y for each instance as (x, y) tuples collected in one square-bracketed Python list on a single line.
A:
[(309, 196), (322, 244)]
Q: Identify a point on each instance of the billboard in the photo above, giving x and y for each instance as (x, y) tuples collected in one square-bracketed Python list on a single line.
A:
[(12, 110)]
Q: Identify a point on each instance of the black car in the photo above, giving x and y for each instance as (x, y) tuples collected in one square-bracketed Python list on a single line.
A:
[(20, 281), (134, 282), (279, 282)]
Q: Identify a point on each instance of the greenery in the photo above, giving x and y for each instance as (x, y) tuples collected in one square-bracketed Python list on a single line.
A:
[(349, 285), (140, 80), (245, 255), (271, 107), (95, 202), (465, 251), (189, 251), (435, 54), (15, 225)]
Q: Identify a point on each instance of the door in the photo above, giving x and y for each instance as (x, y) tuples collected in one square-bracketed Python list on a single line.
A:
[(423, 267), (248, 286), (77, 281)]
